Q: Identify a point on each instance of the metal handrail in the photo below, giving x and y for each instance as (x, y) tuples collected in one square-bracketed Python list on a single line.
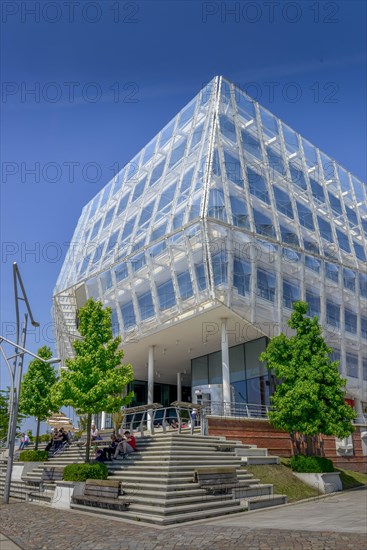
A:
[(237, 410), (147, 420)]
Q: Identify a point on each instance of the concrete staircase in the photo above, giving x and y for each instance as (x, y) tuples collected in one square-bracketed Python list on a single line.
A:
[(158, 480)]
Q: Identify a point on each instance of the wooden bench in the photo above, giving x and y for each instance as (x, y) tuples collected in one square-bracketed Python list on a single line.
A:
[(101, 494), (216, 480)]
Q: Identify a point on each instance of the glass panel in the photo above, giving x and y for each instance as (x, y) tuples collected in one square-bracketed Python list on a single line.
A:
[(146, 213), (359, 250), (350, 321), (108, 217), (239, 212), (220, 268), (187, 113), (257, 185), (364, 366), (255, 367), (227, 128), (139, 189), (112, 242), (266, 285), (332, 272), (184, 285), (106, 280), (138, 261), (297, 176), (317, 191), (275, 160), (215, 368), (95, 229), (167, 197), (288, 236), (310, 246), (237, 363), (199, 371), (245, 106), (233, 168), (312, 263), (146, 306), (177, 153), (121, 272), (128, 315), (290, 138), (325, 229), (157, 172), (349, 279), (363, 285), (343, 241), (166, 133), (122, 204), (158, 232), (129, 226), (166, 295), (283, 202), (364, 327), (352, 216), (115, 323), (352, 365), (332, 314), (149, 151), (216, 206), (305, 216), (336, 207), (263, 224), (291, 294), (200, 276), (241, 276), (196, 136), (313, 301), (251, 144)]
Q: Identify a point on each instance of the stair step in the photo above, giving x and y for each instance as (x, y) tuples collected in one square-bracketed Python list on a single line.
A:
[(265, 501)]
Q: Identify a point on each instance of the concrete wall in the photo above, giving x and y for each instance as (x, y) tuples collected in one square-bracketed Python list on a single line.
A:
[(262, 434)]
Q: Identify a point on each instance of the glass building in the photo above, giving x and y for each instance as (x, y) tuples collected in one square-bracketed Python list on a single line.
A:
[(203, 241)]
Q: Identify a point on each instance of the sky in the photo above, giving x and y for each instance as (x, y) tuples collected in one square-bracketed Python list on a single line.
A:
[(85, 85)]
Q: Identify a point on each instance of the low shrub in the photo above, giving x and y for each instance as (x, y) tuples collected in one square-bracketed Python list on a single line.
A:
[(33, 456), (311, 464), (82, 472), (44, 438)]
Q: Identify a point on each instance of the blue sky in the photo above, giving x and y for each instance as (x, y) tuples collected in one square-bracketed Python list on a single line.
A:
[(107, 79)]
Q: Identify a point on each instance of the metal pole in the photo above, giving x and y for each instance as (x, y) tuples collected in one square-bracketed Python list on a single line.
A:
[(13, 419)]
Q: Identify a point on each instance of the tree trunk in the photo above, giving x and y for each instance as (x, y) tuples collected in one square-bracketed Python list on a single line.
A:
[(310, 445), (87, 450), (37, 434)]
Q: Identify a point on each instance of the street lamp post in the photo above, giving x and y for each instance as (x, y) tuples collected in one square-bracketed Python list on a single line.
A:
[(16, 373)]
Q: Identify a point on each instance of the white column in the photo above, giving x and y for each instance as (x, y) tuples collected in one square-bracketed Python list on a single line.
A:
[(103, 420), (150, 383), (179, 387), (225, 362)]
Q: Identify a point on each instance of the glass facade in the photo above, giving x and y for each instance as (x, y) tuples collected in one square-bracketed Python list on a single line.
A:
[(229, 205)]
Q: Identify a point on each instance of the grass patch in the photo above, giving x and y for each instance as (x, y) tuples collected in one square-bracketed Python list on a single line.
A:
[(285, 483), (352, 479)]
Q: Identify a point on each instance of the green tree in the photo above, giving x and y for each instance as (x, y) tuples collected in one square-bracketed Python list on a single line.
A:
[(310, 397), (95, 378), (35, 396), (4, 414)]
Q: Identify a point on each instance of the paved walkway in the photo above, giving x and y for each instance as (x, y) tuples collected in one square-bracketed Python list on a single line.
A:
[(35, 527)]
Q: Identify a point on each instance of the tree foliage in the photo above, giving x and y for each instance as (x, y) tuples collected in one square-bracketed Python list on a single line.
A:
[(310, 396), (36, 392), (4, 414), (95, 378)]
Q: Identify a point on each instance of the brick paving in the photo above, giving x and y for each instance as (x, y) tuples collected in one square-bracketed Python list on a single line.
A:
[(34, 527)]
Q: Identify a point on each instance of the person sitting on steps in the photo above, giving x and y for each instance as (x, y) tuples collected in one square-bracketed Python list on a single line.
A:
[(126, 446)]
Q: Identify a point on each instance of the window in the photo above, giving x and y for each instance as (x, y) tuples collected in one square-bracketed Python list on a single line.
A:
[(219, 263), (138, 261), (343, 241), (241, 276), (112, 242), (352, 216), (275, 160), (239, 212), (122, 204), (146, 306), (312, 263), (108, 217), (177, 153), (283, 202), (166, 198), (121, 272), (196, 136), (228, 128), (157, 172), (352, 365), (332, 272), (336, 356), (216, 206), (95, 229), (359, 250), (349, 279), (128, 315), (336, 207), (257, 185), (291, 294), (317, 191), (115, 323), (263, 224), (233, 169), (288, 236), (251, 144), (139, 189), (364, 365), (325, 229), (297, 176), (166, 295), (129, 226), (305, 216), (146, 213), (200, 276), (184, 285), (332, 314), (350, 319), (106, 281), (313, 301), (266, 285), (364, 327), (363, 285)]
